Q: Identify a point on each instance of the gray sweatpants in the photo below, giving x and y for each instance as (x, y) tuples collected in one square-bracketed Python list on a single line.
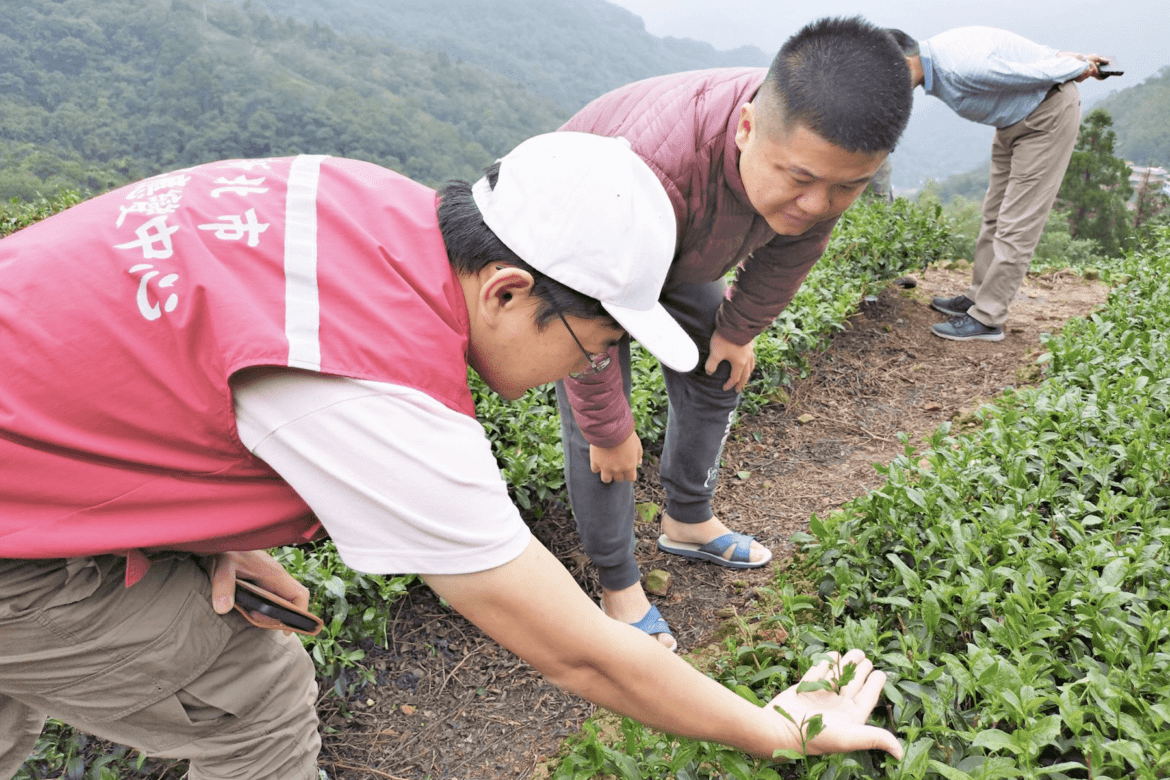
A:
[(151, 666), (699, 416)]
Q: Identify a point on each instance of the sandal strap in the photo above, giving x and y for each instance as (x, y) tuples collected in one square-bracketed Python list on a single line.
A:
[(742, 542), (652, 622)]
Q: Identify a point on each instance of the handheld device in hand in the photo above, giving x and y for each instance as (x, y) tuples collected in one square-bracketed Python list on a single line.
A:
[(267, 610), (1111, 68)]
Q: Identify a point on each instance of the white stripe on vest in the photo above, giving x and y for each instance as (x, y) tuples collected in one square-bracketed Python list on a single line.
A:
[(302, 304)]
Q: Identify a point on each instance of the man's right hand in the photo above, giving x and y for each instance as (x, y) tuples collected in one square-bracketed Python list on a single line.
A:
[(617, 464), (256, 566), (844, 712), (1095, 62)]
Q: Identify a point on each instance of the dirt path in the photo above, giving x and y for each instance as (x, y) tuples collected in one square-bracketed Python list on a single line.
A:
[(452, 704)]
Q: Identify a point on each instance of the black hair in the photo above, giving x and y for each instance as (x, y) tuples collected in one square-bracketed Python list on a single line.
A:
[(471, 245), (844, 79), (908, 45)]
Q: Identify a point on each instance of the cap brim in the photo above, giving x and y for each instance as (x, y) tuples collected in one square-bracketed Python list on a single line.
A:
[(659, 333)]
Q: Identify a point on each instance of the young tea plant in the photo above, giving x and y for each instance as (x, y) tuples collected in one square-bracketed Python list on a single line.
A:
[(810, 726)]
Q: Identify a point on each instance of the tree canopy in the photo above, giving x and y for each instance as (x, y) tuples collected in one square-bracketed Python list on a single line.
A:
[(94, 93), (1096, 186), (568, 50)]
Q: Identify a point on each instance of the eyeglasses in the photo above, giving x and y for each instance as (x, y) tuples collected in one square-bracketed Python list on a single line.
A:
[(598, 361)]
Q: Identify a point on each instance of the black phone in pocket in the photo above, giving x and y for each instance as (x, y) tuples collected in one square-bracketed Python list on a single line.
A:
[(251, 598)]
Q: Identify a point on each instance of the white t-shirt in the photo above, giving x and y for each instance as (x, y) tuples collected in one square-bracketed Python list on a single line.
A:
[(402, 483)]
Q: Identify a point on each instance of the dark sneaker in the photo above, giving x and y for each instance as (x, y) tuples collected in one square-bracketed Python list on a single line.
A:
[(966, 328), (954, 307)]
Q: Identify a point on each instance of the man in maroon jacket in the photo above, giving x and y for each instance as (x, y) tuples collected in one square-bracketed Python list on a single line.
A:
[(759, 164)]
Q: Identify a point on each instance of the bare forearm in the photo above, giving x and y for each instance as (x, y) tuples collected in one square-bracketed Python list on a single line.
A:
[(572, 642), (533, 607), (657, 688)]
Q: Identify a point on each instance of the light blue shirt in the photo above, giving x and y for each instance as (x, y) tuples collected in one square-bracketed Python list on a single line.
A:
[(992, 76)]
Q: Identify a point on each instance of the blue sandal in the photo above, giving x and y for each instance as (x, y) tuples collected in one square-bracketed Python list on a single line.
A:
[(653, 623), (714, 550)]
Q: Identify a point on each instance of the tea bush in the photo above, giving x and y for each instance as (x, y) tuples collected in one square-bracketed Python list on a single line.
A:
[(18, 214), (1014, 583)]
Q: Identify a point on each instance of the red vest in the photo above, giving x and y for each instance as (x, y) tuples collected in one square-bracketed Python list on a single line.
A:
[(122, 319)]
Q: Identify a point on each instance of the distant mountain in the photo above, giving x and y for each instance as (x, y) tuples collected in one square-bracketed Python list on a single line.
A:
[(1141, 119), (568, 50), (96, 92), (937, 143)]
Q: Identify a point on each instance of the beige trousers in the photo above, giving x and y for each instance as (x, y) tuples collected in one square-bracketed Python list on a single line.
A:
[(1028, 161), (151, 666)]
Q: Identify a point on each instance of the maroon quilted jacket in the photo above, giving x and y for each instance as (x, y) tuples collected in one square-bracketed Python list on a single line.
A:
[(684, 126)]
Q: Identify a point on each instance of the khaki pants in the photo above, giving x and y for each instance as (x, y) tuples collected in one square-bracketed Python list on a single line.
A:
[(1028, 161), (151, 666)]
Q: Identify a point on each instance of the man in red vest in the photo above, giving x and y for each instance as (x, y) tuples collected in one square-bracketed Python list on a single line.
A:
[(255, 352)]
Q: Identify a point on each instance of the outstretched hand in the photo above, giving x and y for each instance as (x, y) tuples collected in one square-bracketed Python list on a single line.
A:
[(844, 707)]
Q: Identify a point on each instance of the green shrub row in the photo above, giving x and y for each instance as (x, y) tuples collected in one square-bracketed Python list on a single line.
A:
[(1014, 582), (17, 214)]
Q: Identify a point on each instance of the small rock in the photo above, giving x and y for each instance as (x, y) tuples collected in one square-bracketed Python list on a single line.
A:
[(658, 582)]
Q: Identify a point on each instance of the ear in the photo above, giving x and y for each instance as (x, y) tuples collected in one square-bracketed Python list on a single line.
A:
[(747, 121), (503, 289)]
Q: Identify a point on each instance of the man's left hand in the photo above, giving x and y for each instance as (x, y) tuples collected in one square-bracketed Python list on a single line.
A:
[(742, 360)]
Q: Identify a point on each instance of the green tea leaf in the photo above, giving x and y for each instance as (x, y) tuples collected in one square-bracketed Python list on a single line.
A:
[(994, 739)]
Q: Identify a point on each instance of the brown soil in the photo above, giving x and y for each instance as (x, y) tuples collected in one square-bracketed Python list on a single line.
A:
[(449, 703)]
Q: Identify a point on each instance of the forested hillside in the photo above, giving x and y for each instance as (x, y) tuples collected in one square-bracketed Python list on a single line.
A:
[(1141, 118), (97, 92), (568, 50)]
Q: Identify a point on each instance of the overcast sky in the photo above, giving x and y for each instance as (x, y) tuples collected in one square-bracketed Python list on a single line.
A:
[(1135, 32)]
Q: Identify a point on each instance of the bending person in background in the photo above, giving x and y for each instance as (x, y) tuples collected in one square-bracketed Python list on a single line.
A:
[(759, 164), (1028, 93)]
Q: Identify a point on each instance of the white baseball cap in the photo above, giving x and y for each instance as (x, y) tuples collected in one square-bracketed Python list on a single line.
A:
[(588, 212)]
